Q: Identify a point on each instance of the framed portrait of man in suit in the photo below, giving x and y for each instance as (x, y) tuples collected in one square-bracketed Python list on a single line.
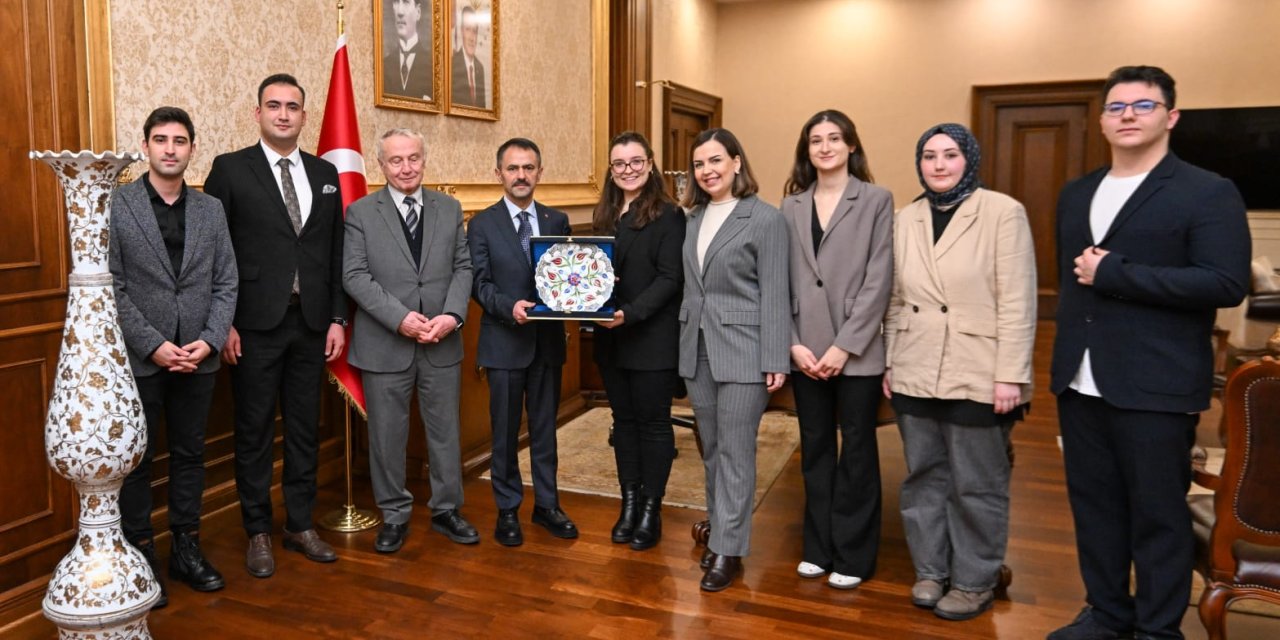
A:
[(409, 65), (473, 58)]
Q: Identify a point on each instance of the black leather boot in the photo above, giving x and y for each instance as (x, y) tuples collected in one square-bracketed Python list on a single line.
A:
[(187, 564), (649, 528), (630, 512), (148, 550)]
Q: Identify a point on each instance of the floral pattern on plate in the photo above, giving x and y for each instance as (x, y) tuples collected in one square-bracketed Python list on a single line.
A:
[(573, 277)]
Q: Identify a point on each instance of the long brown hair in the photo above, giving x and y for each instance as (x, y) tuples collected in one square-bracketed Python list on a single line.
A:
[(804, 174), (744, 183), (648, 204)]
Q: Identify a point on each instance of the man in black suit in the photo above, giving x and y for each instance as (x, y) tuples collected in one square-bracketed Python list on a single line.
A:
[(285, 213), (522, 359), (407, 70), (1148, 249), (174, 274), (467, 71)]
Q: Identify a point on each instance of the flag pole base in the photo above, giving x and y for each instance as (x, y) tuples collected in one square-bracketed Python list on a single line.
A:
[(349, 519)]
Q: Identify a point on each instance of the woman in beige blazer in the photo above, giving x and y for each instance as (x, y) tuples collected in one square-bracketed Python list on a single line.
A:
[(959, 335), (841, 230)]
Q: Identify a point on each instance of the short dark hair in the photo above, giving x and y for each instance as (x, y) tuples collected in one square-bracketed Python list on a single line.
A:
[(165, 115), (1141, 73), (744, 183), (519, 143), (281, 78)]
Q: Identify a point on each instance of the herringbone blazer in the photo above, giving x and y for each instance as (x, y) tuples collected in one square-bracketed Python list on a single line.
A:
[(154, 303), (379, 274), (740, 299)]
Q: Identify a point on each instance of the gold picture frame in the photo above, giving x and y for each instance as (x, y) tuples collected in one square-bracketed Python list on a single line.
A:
[(474, 90), (413, 88)]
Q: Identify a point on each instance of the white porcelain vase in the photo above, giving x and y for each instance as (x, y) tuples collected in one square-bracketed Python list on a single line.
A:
[(95, 432)]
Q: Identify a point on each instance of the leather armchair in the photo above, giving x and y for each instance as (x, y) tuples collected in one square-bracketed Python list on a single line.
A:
[(1238, 527)]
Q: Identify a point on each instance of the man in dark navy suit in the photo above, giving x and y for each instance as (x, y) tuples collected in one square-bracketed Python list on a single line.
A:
[(1148, 249), (523, 359), (284, 209)]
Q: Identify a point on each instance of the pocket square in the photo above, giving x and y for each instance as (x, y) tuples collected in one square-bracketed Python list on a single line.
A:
[(328, 188)]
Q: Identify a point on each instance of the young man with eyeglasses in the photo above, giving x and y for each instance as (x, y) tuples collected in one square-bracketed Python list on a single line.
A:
[(1148, 248)]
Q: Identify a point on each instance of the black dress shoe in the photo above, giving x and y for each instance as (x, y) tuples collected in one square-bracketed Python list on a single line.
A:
[(555, 521), (187, 564), (508, 531), (627, 517), (708, 556), (148, 550), (649, 528), (1087, 626), (721, 574), (391, 537), (455, 527)]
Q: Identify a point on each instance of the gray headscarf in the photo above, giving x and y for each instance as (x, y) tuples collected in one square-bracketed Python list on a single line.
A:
[(969, 182)]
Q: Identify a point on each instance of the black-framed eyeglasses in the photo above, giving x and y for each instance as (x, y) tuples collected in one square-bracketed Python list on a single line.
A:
[(620, 166), (1140, 107)]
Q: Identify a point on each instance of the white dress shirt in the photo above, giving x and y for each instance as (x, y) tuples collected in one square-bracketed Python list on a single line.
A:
[(398, 198), (301, 185), (515, 216)]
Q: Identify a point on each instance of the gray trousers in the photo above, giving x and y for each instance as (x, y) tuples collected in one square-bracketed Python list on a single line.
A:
[(387, 401), (955, 500), (728, 417)]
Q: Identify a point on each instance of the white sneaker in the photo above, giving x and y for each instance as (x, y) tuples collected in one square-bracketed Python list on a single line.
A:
[(810, 570), (841, 581)]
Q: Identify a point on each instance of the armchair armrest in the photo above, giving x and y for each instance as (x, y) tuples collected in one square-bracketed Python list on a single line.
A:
[(1200, 473)]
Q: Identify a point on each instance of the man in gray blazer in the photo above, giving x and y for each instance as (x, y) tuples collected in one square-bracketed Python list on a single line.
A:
[(405, 263), (175, 282)]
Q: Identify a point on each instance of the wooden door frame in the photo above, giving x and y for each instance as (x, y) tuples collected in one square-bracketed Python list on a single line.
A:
[(988, 99), (630, 64), (678, 97)]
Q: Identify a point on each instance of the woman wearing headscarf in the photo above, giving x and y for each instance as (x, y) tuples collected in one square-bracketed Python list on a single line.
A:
[(841, 229), (959, 336), (734, 335)]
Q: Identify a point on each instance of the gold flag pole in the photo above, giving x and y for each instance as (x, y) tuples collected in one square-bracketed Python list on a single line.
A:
[(348, 519)]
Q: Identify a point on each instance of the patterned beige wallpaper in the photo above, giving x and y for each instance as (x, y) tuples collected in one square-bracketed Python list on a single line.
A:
[(208, 57)]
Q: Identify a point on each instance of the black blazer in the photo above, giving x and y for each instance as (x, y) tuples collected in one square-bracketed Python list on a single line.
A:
[(650, 283), (1179, 250), (267, 249), (502, 275)]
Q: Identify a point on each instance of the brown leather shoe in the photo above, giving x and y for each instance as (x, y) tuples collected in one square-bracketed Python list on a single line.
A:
[(309, 544), (258, 559)]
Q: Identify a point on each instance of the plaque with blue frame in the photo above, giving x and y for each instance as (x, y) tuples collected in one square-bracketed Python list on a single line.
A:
[(573, 277)]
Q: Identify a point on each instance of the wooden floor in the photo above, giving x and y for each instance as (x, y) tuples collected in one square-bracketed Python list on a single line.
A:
[(590, 588)]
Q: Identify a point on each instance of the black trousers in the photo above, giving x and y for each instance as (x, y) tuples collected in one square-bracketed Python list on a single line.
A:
[(643, 439), (841, 484), (285, 363), (1128, 473), (177, 406), (537, 388)]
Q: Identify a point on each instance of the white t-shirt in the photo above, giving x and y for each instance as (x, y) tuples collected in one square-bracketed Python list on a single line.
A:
[(1110, 197), (712, 219)]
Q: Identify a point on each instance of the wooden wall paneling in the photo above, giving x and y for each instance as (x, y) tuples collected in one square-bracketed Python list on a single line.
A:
[(630, 65)]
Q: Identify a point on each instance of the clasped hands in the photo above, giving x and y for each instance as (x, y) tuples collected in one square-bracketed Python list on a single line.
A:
[(1087, 265), (182, 359), (424, 329), (831, 363)]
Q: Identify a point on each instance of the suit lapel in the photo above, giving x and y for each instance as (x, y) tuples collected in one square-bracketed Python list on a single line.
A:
[(921, 230), (195, 226), (961, 220), (431, 228), (1152, 184), (736, 222), (391, 218), (803, 222), (265, 174), (144, 216), (507, 228), (692, 228), (317, 190)]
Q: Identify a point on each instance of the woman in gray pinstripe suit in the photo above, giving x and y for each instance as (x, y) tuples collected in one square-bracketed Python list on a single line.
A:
[(735, 333)]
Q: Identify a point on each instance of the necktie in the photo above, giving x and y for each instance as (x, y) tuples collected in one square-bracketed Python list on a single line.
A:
[(471, 81), (291, 203), (526, 232), (404, 70), (411, 214)]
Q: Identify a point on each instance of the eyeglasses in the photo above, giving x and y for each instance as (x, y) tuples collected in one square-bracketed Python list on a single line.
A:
[(635, 164), (1140, 107)]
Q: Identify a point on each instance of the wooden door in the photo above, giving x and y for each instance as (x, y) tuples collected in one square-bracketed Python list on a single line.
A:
[(1035, 138), (685, 113)]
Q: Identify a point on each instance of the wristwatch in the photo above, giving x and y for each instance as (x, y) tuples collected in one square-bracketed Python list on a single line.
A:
[(339, 321)]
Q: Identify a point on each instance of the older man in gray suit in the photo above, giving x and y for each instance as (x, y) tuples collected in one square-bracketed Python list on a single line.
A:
[(405, 263), (175, 283)]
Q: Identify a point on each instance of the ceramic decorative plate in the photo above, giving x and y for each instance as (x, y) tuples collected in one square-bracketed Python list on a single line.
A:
[(573, 277)]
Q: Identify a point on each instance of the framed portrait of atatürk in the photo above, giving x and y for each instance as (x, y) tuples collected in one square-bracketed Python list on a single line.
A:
[(473, 58), (573, 277), (408, 65)]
